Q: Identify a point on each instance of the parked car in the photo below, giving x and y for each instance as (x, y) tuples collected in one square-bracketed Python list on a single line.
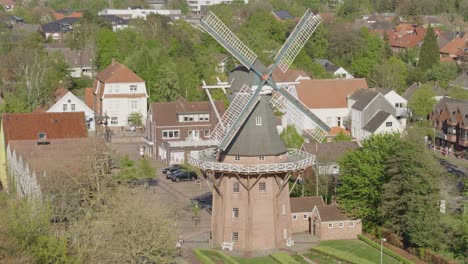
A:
[(184, 175), (170, 174), (172, 168)]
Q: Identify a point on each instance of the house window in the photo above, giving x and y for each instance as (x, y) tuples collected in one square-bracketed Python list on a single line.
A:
[(170, 134), (65, 107), (330, 226), (305, 217), (338, 121), (235, 237), (235, 213), (114, 120), (262, 186), (41, 135), (285, 233), (341, 224), (207, 133), (262, 158), (351, 224), (134, 104), (194, 134), (236, 158), (73, 107), (133, 88), (258, 120), (283, 209), (388, 124), (235, 188), (294, 217)]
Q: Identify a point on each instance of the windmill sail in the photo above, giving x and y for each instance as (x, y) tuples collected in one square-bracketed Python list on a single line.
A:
[(296, 41), (219, 31)]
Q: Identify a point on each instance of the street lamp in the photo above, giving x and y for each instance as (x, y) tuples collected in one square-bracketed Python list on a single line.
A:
[(381, 249)]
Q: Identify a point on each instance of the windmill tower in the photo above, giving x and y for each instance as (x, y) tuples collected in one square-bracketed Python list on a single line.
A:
[(251, 167)]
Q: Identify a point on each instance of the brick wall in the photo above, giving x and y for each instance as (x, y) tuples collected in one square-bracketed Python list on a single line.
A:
[(346, 231), (301, 224)]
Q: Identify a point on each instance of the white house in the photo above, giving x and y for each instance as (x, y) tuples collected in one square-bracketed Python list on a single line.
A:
[(400, 103), (140, 13), (118, 93), (327, 98), (371, 113), (337, 71), (70, 103), (80, 62), (196, 5)]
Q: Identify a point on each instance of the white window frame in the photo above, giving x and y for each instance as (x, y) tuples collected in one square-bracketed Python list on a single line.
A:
[(351, 224), (237, 158), (285, 233), (65, 107), (235, 237), (305, 217), (330, 226), (175, 134), (206, 133), (235, 213), (236, 187), (388, 124), (73, 107), (114, 120), (133, 88), (194, 134), (283, 209), (261, 158), (262, 187), (134, 104), (258, 120), (341, 225), (294, 217)]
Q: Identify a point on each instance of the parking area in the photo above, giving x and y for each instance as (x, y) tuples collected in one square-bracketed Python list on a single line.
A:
[(178, 195)]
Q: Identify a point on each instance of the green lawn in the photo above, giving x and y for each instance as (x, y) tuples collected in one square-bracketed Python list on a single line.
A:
[(258, 260), (358, 249)]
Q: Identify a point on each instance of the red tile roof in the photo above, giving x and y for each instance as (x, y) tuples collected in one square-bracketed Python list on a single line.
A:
[(116, 72), (336, 130), (55, 125), (7, 2), (89, 98), (305, 204), (59, 93), (290, 76), (454, 46), (402, 39), (328, 93), (59, 15)]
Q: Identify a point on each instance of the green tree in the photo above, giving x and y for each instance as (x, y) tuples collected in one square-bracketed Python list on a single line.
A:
[(387, 49), (390, 74), (443, 73), (422, 101), (363, 175), (107, 47), (429, 55), (342, 137), (145, 170), (410, 197), (135, 119), (291, 138), (458, 93)]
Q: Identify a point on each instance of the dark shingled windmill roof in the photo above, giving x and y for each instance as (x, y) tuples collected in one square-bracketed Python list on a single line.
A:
[(253, 140)]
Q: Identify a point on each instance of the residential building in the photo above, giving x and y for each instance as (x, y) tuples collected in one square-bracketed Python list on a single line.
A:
[(403, 37), (328, 98), (328, 155), (197, 6), (371, 113), (35, 165), (19, 28), (450, 120), (177, 129), (398, 101), (330, 223), (290, 76), (56, 30), (8, 5), (116, 22), (453, 50), (118, 93), (38, 126), (60, 14), (68, 102), (337, 71), (301, 212), (439, 91), (80, 61), (282, 15), (156, 4), (461, 81), (141, 13)]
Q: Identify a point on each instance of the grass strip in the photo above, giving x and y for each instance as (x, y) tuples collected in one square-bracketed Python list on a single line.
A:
[(385, 250), (283, 258), (341, 255)]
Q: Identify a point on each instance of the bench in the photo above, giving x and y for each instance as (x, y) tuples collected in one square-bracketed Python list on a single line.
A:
[(227, 245), (289, 242)]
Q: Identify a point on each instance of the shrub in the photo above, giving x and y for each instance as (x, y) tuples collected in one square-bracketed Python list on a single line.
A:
[(385, 250), (341, 255), (283, 258)]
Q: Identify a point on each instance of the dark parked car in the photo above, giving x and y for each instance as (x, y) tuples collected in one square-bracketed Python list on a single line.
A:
[(184, 175), (172, 174), (172, 169)]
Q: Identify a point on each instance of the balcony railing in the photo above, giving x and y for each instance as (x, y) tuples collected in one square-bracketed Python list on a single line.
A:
[(296, 160), (192, 143)]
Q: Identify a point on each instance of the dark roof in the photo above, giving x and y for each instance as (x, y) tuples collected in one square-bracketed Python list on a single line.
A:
[(253, 140), (282, 14), (363, 98), (114, 20), (381, 25), (330, 151), (241, 75), (74, 58), (376, 121), (461, 81), (408, 94), (330, 213), (305, 204), (55, 125), (28, 28), (327, 65), (60, 25), (165, 114), (383, 91)]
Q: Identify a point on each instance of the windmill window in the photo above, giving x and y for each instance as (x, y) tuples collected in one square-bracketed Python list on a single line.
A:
[(258, 120), (283, 209), (236, 158), (235, 237), (285, 233), (235, 188), (262, 158), (235, 213), (262, 186)]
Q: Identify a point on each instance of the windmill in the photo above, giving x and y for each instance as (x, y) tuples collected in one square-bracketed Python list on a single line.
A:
[(249, 172)]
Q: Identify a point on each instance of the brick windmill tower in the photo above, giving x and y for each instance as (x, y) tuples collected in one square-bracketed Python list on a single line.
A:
[(250, 169)]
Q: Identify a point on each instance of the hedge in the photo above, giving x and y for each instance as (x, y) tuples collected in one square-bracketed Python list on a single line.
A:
[(283, 258), (385, 250), (200, 253), (341, 255)]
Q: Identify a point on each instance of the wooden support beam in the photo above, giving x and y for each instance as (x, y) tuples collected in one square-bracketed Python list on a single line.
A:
[(255, 182)]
